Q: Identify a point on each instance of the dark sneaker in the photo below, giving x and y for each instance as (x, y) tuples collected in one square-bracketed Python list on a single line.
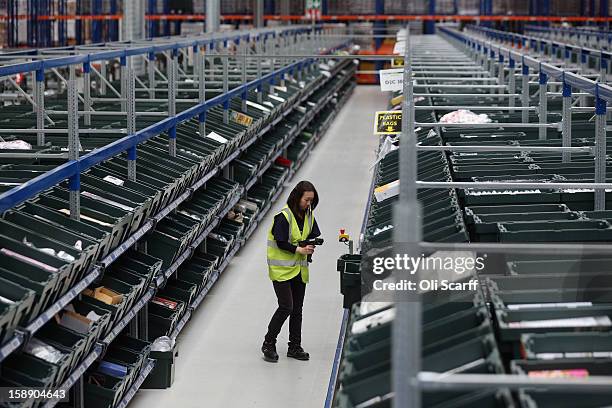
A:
[(298, 353), (269, 352)]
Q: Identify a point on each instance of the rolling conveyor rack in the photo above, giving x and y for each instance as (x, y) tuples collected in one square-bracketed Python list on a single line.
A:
[(530, 182), (233, 84)]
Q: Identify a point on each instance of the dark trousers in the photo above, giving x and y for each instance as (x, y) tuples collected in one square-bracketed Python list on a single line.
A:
[(290, 295)]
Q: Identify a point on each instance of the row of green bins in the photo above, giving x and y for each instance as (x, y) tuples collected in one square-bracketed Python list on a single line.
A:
[(259, 116), (18, 306), (196, 271), (482, 221), (107, 381), (152, 175), (73, 344), (550, 303), (139, 265), (258, 154), (561, 346), (95, 213), (457, 334), (22, 370), (179, 291), (190, 144), (172, 236), (141, 348), (560, 265), (98, 328), (218, 244), (36, 270)]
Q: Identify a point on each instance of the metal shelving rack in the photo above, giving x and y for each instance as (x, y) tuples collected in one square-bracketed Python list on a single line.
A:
[(246, 46), (408, 379), (495, 58)]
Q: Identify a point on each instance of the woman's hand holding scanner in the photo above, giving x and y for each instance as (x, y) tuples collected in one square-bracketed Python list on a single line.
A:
[(306, 250)]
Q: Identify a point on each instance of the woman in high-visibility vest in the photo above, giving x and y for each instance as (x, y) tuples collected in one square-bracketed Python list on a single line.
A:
[(288, 267)]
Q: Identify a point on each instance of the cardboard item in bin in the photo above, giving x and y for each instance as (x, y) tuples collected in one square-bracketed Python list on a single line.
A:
[(387, 191), (105, 295), (76, 322)]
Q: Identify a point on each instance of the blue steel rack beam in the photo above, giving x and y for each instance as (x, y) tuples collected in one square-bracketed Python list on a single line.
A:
[(579, 82), (533, 42)]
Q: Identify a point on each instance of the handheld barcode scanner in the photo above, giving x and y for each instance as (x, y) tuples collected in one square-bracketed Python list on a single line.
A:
[(313, 241)]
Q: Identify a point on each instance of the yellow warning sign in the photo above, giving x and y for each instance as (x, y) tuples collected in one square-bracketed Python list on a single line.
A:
[(397, 62), (241, 118), (388, 123)]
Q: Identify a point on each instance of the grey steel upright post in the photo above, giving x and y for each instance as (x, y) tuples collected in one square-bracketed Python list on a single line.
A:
[(131, 117), (543, 108), (123, 83), (40, 106), (103, 75), (244, 69), (151, 74), (603, 69), (566, 123), (213, 9), (73, 144), (258, 45), (225, 83), (502, 79), (172, 75), (511, 82), (406, 340), (87, 93), (583, 69), (525, 91), (258, 12), (202, 87), (600, 150)]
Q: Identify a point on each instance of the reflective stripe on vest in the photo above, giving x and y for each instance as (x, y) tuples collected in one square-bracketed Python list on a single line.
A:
[(287, 263)]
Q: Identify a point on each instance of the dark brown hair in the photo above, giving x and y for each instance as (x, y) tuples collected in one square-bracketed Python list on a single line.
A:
[(293, 202)]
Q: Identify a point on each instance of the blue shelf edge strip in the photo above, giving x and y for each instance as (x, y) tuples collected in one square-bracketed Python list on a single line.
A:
[(594, 88), (142, 376), (336, 365)]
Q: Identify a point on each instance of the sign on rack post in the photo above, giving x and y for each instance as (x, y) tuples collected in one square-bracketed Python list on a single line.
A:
[(313, 9), (388, 123)]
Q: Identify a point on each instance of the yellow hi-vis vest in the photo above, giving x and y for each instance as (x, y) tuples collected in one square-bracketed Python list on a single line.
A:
[(283, 265)]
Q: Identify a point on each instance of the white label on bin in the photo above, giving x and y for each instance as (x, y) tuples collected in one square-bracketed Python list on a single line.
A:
[(276, 98), (258, 106), (217, 137), (391, 79), (399, 47), (116, 181), (326, 74)]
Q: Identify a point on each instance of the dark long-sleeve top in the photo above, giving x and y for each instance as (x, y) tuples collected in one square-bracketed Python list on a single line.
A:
[(280, 231)]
